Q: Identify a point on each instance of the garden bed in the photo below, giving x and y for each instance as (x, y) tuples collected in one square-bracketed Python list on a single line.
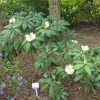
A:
[(88, 35)]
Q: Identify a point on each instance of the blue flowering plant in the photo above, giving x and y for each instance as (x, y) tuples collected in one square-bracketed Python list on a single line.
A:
[(13, 81)]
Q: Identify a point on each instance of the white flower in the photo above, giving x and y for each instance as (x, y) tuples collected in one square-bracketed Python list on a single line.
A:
[(12, 20), (84, 48), (69, 69), (46, 23), (30, 37), (74, 41)]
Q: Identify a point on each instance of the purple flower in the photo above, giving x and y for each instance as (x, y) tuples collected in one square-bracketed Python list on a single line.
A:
[(25, 81), (0, 66), (1, 54), (21, 77), (1, 92), (21, 84), (14, 77), (4, 85), (8, 96), (8, 77), (11, 99)]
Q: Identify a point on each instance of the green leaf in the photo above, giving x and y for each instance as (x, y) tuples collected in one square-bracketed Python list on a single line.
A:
[(58, 82), (84, 81), (97, 78), (21, 39), (81, 70), (24, 42), (88, 70), (34, 44), (53, 71), (24, 26), (18, 31), (9, 26), (34, 50), (78, 77), (77, 61), (45, 75), (44, 87), (64, 76), (39, 39), (43, 32), (12, 35), (16, 43), (41, 80), (73, 54), (3, 44), (53, 76), (87, 87), (55, 49), (64, 93), (51, 92), (92, 77), (62, 96), (94, 90), (31, 23), (54, 60), (10, 56), (38, 28), (28, 47), (6, 51), (16, 25), (48, 33), (56, 88), (77, 66)]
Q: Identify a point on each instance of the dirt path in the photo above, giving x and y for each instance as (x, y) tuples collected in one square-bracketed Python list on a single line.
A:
[(88, 35)]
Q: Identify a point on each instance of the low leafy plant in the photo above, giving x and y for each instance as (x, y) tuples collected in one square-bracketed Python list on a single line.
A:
[(86, 65), (13, 81)]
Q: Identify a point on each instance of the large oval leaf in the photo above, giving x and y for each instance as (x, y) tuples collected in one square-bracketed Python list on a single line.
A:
[(78, 77), (44, 87), (97, 78), (77, 66), (51, 92), (88, 70), (16, 43), (28, 47)]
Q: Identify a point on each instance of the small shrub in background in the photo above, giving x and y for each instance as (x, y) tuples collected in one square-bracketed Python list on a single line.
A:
[(80, 11)]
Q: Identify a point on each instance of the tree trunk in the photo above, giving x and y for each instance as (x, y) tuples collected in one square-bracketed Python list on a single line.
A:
[(54, 8)]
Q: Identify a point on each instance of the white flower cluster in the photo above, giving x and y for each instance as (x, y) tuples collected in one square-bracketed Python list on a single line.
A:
[(69, 69), (84, 48), (46, 24), (74, 41), (30, 37), (12, 20)]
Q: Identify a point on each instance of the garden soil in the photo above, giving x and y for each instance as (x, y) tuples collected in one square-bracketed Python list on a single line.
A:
[(88, 35)]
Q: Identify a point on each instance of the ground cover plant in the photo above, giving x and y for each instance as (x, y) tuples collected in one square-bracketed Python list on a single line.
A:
[(31, 33), (13, 81)]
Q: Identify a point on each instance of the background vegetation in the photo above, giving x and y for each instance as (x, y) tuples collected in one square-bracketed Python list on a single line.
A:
[(71, 10)]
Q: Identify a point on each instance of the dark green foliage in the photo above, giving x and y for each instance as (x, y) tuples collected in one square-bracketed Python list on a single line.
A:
[(80, 11)]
